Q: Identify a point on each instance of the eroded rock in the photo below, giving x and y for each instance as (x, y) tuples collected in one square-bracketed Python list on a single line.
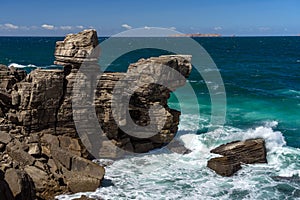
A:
[(248, 151), (237, 153), (20, 184), (41, 152)]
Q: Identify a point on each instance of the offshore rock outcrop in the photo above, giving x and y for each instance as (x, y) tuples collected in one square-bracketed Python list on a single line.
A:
[(237, 153), (142, 99), (41, 154)]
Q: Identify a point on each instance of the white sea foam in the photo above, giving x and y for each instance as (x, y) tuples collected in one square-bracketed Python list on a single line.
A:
[(15, 65), (174, 176)]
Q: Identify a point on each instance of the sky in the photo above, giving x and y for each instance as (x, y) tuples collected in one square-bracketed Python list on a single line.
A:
[(109, 17)]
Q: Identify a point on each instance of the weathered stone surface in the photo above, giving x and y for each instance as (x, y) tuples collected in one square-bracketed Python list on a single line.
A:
[(162, 70), (62, 157), (40, 94), (34, 149), (76, 48), (224, 166), (236, 153), (39, 142), (20, 184), (39, 177), (5, 191), (19, 155), (248, 151), (80, 183), (9, 77), (4, 137), (88, 168)]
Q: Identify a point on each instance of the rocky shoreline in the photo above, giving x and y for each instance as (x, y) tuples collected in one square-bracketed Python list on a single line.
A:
[(41, 153)]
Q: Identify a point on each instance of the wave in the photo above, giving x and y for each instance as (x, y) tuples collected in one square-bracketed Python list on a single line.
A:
[(289, 92), (28, 68), (16, 65), (174, 176)]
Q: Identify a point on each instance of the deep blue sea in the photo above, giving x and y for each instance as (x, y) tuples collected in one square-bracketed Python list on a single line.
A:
[(261, 76)]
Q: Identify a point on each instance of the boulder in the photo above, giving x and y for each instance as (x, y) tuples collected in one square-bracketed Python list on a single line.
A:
[(5, 191), (16, 152), (236, 153), (38, 176), (20, 184), (248, 151), (224, 166), (5, 138)]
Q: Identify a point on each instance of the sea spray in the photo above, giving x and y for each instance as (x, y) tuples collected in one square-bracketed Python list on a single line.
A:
[(175, 176)]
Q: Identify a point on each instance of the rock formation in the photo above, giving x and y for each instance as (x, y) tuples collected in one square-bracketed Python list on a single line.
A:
[(41, 155), (41, 152), (141, 101), (237, 153)]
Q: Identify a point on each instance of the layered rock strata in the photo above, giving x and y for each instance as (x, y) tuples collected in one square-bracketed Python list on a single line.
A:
[(42, 154), (143, 98), (237, 153)]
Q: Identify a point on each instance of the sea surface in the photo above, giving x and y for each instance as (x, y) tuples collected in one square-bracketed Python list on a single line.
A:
[(261, 77)]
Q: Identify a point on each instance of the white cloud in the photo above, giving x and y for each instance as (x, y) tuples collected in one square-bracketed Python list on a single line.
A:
[(66, 27), (218, 28), (80, 27), (10, 26), (48, 27), (126, 26)]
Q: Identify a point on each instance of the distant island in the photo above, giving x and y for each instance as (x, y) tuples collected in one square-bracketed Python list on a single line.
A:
[(197, 35)]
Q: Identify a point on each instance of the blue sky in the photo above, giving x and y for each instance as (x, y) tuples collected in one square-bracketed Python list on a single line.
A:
[(228, 17)]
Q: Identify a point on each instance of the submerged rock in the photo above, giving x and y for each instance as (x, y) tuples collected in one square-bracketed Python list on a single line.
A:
[(236, 153), (178, 147)]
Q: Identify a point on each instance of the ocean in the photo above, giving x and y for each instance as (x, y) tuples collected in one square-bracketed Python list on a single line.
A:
[(261, 77)]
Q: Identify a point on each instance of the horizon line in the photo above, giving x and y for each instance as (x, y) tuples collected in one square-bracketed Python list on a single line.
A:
[(230, 35)]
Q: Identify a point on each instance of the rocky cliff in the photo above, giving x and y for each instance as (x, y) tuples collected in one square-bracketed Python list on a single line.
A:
[(42, 154)]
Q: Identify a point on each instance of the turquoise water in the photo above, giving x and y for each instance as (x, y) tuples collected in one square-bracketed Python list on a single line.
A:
[(262, 81)]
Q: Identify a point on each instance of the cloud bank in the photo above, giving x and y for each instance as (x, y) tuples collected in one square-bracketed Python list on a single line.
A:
[(126, 26)]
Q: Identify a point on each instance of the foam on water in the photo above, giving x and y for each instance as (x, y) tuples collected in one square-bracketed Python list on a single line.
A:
[(15, 65), (30, 67), (174, 176)]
